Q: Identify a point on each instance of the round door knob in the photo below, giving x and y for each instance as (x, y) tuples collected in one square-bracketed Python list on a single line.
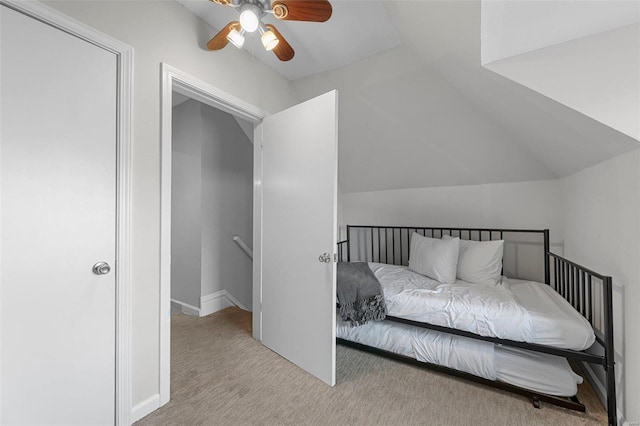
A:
[(101, 268)]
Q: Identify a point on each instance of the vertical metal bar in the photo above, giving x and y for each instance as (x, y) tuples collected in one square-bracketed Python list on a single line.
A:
[(564, 280), (348, 243), (582, 288), (546, 256), (568, 283), (555, 273), (563, 275), (609, 350), (571, 284), (408, 245), (371, 229), (386, 245), (590, 304), (400, 247), (570, 289), (561, 272), (576, 282), (393, 245), (379, 248)]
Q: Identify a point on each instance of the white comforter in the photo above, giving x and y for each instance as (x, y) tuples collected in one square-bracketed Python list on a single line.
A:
[(535, 371), (516, 310)]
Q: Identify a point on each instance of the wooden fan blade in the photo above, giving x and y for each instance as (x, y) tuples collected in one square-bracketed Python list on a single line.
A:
[(222, 2), (283, 49), (220, 40), (302, 10)]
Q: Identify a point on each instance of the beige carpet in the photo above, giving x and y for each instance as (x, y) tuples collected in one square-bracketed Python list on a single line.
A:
[(221, 376)]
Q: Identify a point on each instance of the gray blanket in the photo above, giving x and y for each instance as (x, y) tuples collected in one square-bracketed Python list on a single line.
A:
[(360, 296)]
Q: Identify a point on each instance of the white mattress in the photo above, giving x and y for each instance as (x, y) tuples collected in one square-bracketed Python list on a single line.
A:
[(517, 310), (554, 321), (538, 372)]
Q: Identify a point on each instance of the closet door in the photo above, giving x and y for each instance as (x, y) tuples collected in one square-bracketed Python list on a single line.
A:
[(299, 179), (58, 125)]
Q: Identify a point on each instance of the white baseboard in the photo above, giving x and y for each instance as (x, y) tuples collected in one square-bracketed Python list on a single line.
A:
[(235, 301), (600, 390), (185, 308), (217, 301), (146, 407), (596, 384)]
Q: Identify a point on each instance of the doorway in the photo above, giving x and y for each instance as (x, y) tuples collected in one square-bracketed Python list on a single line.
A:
[(211, 100), (211, 209)]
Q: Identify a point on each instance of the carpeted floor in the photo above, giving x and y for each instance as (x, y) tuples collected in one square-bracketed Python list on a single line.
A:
[(221, 376)]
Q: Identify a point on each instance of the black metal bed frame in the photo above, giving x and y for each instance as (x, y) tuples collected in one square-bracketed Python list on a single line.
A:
[(590, 293)]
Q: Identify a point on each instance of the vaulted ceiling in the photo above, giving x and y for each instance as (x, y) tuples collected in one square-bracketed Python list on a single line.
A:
[(427, 113)]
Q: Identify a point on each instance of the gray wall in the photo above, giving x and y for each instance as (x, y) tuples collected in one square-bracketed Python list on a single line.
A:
[(186, 210), (227, 206), (212, 201)]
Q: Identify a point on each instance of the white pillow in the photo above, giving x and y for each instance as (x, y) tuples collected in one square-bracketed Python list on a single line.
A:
[(479, 261), (434, 257)]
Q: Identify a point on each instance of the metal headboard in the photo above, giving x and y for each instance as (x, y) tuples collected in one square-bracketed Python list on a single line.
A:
[(392, 244)]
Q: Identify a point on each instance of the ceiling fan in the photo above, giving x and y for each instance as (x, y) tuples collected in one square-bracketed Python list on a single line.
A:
[(251, 13)]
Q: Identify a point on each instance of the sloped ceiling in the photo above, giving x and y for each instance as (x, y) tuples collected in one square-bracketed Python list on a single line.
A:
[(512, 28), (356, 30), (426, 113), (597, 75)]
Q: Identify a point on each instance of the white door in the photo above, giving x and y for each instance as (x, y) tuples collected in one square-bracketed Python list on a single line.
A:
[(57, 219), (299, 180)]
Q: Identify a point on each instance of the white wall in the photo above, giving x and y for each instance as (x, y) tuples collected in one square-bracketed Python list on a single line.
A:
[(163, 31), (227, 206), (503, 205), (186, 204), (522, 205), (602, 230)]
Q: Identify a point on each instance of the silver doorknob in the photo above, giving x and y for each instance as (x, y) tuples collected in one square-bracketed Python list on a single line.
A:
[(101, 268), (325, 257)]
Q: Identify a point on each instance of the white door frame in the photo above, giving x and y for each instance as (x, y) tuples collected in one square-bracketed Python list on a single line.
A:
[(124, 54), (175, 80)]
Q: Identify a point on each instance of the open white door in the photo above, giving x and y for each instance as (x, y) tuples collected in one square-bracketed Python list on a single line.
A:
[(299, 202)]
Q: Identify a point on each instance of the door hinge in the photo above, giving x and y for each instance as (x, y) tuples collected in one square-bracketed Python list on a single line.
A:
[(335, 257)]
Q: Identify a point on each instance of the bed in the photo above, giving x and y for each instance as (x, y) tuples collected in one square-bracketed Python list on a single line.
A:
[(493, 334)]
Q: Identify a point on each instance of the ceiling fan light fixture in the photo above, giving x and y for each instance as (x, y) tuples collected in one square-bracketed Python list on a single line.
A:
[(249, 18), (236, 38), (269, 40)]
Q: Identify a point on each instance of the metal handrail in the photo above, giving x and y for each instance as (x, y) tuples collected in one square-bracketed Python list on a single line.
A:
[(245, 248)]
